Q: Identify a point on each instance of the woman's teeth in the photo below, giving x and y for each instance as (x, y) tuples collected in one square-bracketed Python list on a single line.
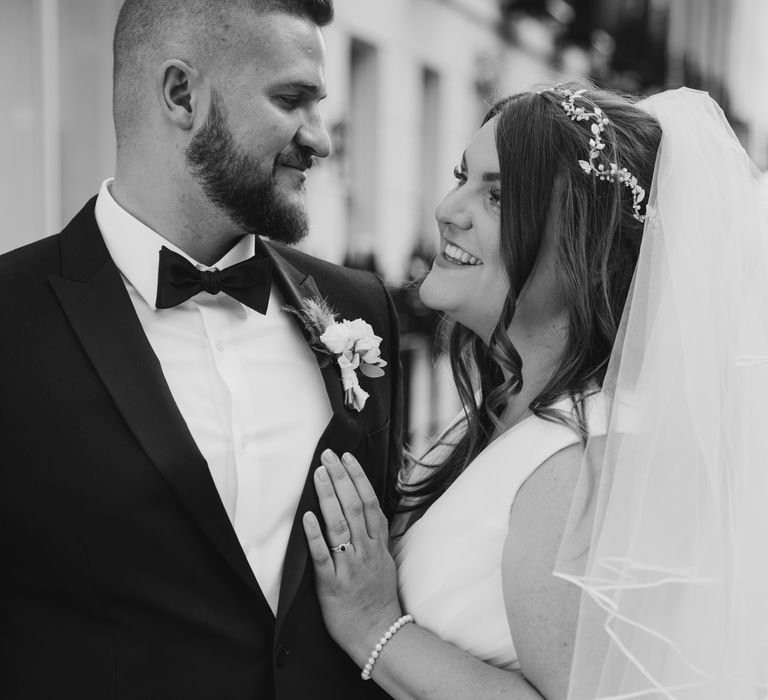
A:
[(459, 256)]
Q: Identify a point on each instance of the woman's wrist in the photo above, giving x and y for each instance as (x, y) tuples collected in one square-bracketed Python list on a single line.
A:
[(359, 648), (392, 630)]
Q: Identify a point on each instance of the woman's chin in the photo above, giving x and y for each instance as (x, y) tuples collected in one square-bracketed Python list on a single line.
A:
[(433, 292)]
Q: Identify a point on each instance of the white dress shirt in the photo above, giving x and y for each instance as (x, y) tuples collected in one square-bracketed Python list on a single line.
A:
[(247, 385)]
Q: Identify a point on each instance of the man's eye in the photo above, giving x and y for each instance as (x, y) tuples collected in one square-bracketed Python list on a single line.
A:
[(288, 101)]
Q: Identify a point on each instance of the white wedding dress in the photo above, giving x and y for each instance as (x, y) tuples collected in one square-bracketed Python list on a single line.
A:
[(449, 560)]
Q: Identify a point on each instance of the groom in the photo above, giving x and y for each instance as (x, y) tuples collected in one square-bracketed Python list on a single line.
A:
[(162, 412)]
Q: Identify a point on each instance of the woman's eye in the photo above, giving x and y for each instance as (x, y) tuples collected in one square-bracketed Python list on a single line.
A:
[(459, 175), (494, 194)]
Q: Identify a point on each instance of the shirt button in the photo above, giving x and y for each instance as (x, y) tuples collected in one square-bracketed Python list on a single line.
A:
[(219, 346), (281, 658)]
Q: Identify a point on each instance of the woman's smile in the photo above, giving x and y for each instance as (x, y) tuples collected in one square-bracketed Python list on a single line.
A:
[(458, 256)]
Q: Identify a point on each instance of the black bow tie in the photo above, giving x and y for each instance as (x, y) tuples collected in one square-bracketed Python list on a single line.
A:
[(178, 280)]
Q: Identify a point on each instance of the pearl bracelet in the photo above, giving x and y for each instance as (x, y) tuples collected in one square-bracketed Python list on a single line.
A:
[(391, 632)]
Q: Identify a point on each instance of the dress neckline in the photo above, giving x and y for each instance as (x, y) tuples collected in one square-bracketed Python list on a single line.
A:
[(514, 429)]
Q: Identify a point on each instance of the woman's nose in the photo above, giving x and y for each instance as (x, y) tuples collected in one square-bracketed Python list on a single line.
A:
[(452, 211)]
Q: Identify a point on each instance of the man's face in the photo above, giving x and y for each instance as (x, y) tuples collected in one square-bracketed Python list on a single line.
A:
[(263, 128)]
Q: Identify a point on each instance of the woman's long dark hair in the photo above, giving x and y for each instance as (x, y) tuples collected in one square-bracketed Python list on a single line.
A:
[(597, 247)]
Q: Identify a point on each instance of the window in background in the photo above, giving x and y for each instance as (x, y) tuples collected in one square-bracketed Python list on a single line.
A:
[(362, 156), (55, 118), (421, 376), (87, 139), (430, 160), (25, 195)]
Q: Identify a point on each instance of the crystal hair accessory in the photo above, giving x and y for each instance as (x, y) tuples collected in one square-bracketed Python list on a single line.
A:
[(596, 146)]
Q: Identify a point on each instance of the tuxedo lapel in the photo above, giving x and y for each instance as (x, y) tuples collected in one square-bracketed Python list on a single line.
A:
[(93, 297), (344, 433), (296, 287)]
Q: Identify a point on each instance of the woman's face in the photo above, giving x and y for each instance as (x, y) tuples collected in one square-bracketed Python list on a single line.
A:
[(467, 281)]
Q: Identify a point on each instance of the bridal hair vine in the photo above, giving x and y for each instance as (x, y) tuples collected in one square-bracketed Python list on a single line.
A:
[(352, 343), (596, 146)]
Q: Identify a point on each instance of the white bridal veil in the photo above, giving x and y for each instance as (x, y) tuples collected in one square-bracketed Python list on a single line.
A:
[(668, 534)]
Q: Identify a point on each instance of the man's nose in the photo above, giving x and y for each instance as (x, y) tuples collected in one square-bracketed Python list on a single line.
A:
[(313, 135)]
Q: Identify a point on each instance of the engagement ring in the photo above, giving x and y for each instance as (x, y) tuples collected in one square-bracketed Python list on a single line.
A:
[(343, 547)]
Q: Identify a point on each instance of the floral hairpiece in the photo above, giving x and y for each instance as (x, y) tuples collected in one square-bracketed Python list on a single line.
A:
[(353, 344), (596, 146)]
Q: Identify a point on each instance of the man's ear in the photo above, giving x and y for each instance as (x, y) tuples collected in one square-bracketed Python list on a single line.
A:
[(179, 92)]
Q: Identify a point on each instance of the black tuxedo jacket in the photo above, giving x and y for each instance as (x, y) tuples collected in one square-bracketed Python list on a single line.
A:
[(121, 574)]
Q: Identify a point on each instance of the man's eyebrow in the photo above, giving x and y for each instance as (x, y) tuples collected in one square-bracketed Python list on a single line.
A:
[(310, 88)]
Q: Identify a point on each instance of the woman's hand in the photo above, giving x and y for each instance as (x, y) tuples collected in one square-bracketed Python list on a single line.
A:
[(356, 582)]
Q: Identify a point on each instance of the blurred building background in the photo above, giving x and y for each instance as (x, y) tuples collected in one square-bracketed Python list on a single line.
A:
[(409, 81)]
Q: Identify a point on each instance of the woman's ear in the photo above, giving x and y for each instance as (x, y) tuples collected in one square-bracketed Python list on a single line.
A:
[(179, 86)]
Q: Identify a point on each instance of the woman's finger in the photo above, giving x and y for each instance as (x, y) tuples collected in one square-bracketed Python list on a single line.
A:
[(336, 527), (348, 498), (375, 520), (318, 549)]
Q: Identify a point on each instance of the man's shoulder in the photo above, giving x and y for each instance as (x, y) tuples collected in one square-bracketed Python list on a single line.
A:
[(324, 271), (351, 293), (33, 261)]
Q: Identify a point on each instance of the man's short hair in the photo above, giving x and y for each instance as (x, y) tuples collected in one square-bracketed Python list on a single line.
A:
[(144, 24)]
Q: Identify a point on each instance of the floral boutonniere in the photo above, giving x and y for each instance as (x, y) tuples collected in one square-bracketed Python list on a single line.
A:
[(353, 344)]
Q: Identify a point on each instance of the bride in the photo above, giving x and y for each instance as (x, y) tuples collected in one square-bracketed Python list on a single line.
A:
[(591, 525)]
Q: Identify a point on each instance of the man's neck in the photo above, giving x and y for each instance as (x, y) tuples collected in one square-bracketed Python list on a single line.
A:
[(202, 233)]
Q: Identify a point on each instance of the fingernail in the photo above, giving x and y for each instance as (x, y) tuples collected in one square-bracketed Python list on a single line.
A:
[(328, 455), (322, 474), (309, 518), (346, 458)]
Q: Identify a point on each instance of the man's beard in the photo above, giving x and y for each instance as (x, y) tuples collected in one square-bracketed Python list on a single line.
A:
[(239, 184)]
